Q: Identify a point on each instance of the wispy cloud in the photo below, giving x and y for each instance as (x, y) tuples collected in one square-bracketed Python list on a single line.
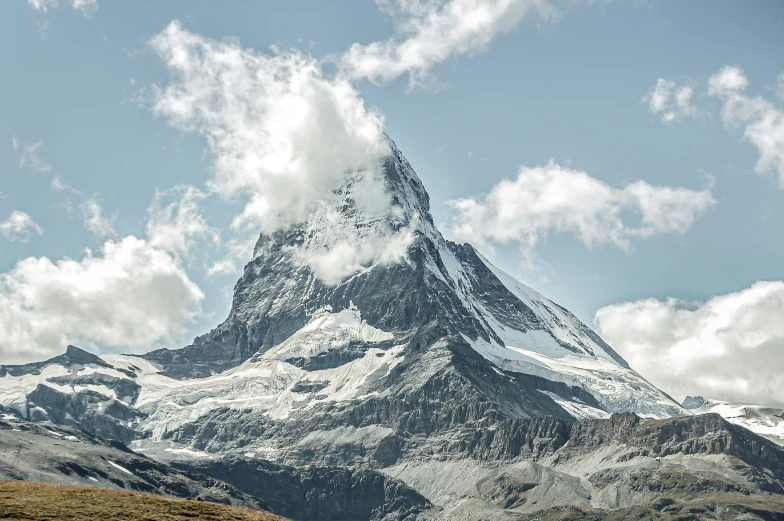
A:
[(43, 5), (670, 101), (86, 7), (19, 227), (429, 32), (761, 120), (95, 221), (175, 222), (30, 158)]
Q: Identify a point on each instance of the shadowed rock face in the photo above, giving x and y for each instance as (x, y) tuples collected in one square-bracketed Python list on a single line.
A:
[(325, 493)]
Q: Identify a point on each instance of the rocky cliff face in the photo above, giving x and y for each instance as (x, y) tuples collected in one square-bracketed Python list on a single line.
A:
[(433, 386)]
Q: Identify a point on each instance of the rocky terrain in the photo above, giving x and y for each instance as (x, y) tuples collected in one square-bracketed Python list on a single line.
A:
[(436, 387)]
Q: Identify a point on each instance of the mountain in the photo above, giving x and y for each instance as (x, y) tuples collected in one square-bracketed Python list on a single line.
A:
[(436, 387)]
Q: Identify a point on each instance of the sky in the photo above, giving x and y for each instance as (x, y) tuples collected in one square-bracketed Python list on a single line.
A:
[(624, 158)]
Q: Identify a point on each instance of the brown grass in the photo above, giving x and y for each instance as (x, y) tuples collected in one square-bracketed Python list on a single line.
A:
[(45, 502)]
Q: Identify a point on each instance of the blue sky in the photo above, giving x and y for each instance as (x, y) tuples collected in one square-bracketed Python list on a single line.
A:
[(77, 104)]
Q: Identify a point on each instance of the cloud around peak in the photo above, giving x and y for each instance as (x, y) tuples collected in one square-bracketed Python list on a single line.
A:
[(285, 136)]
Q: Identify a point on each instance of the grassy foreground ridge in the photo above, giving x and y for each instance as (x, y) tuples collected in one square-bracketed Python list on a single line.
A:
[(42, 501)]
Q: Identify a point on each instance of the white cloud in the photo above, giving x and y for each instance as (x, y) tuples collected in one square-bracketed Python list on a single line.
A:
[(94, 219), (553, 199), (58, 185), (671, 101), (175, 226), (86, 7), (727, 80), (19, 227), (284, 134), (729, 347), (430, 31), (131, 296), (30, 159), (15, 143), (762, 121), (43, 5)]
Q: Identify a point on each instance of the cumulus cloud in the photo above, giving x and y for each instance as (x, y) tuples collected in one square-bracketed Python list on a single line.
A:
[(132, 296), (30, 159), (19, 227), (95, 221), (727, 80), (762, 121), (728, 347), (553, 199), (285, 135), (669, 100), (430, 31)]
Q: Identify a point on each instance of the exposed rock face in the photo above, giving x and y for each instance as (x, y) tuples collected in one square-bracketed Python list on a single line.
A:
[(434, 387)]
